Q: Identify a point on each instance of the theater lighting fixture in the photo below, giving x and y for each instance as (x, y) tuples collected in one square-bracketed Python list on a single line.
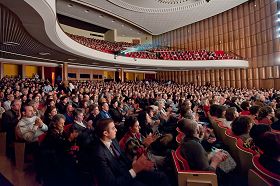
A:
[(44, 53), (86, 11), (71, 59), (11, 43), (101, 16), (113, 21), (70, 5)]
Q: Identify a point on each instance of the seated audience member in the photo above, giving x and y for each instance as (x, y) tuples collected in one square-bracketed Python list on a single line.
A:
[(256, 134), (2, 110), (53, 153), (231, 114), (265, 116), (104, 112), (69, 119), (114, 111), (30, 126), (110, 161), (254, 111), (270, 159), (35, 105), (245, 105), (49, 114), (85, 129), (220, 113), (276, 124), (241, 127), (93, 112), (193, 151), (7, 104), (133, 143), (146, 122), (61, 106)]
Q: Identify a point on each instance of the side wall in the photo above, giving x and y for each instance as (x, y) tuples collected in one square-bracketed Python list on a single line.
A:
[(248, 30)]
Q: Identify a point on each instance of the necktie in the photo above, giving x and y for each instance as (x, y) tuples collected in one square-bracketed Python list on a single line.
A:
[(114, 151)]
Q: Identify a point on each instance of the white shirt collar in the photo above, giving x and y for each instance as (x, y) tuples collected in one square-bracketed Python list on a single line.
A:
[(80, 123), (107, 143)]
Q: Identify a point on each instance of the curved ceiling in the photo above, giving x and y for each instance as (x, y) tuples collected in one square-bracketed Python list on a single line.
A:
[(162, 16)]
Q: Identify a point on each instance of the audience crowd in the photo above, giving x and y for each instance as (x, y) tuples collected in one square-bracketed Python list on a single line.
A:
[(149, 52), (109, 133)]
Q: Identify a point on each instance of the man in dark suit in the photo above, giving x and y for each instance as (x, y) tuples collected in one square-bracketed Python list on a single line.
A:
[(113, 168), (104, 112)]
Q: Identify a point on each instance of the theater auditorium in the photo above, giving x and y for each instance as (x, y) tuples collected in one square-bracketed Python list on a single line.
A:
[(139, 93)]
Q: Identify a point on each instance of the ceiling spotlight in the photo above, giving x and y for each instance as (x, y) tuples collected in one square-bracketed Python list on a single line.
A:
[(44, 53), (130, 29), (70, 5), (86, 11), (71, 59), (122, 25), (101, 16), (113, 21), (11, 43)]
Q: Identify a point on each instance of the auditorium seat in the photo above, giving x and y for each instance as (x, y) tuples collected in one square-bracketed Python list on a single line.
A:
[(185, 176), (256, 179)]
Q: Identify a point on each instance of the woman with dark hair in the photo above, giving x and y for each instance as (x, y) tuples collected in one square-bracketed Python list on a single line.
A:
[(241, 127), (133, 143), (49, 114), (265, 116)]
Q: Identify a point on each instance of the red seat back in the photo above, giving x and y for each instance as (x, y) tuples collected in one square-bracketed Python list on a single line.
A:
[(183, 162), (270, 176)]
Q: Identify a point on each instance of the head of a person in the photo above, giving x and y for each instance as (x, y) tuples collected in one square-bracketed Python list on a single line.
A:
[(78, 115), (34, 104), (266, 111), (28, 111), (257, 131), (213, 109), (69, 108), (189, 128), (16, 105), (114, 103), (64, 99), (94, 109), (105, 129), (245, 105), (241, 125), (231, 113), (52, 111), (132, 125), (57, 123), (254, 110), (277, 113), (271, 144), (105, 106), (221, 111)]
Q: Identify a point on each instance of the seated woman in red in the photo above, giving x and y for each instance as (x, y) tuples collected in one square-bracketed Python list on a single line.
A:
[(265, 116), (133, 143)]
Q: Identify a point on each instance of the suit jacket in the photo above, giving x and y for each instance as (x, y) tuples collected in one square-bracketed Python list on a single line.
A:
[(110, 170)]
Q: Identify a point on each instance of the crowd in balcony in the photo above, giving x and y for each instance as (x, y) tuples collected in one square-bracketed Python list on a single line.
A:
[(100, 45), (151, 52)]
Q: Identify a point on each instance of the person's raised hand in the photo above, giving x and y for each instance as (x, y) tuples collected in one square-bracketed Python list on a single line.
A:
[(142, 164)]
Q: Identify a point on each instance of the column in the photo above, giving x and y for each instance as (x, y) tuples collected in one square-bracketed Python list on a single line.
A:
[(42, 75), (243, 78), (256, 80), (212, 77), (23, 66), (122, 75), (232, 78), (1, 70), (227, 78), (194, 77), (65, 72), (203, 77), (250, 78), (207, 77), (222, 78), (217, 77), (237, 78)]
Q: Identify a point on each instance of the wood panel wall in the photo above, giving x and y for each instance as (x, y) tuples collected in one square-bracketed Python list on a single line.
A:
[(248, 30)]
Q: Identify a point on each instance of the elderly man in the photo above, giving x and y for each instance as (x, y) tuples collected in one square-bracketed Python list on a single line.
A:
[(30, 126)]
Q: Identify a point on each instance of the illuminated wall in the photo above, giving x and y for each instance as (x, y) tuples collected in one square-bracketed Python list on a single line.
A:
[(10, 70), (30, 71)]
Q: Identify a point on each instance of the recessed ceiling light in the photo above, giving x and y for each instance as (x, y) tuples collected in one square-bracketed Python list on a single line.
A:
[(86, 11), (70, 5), (130, 29), (138, 33), (122, 25), (44, 53), (11, 43), (71, 59), (101, 16), (113, 21)]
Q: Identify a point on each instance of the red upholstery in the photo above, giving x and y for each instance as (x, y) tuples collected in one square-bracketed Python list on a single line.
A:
[(180, 137), (239, 144), (275, 178), (42, 137), (229, 133), (184, 163), (67, 127)]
